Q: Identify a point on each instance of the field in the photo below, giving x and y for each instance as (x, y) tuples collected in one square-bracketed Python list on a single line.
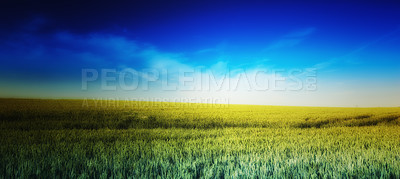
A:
[(103, 139)]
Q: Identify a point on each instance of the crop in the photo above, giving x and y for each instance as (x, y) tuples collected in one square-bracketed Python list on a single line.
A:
[(103, 139)]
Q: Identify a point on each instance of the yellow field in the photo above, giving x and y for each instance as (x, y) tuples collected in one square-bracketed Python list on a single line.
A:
[(76, 138)]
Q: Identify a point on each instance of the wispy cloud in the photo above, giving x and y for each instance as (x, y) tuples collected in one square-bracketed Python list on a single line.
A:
[(301, 33), (284, 43), (325, 64), (352, 57), (206, 50), (291, 39)]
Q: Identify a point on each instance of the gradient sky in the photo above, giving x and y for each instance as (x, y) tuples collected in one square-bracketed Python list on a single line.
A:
[(353, 46)]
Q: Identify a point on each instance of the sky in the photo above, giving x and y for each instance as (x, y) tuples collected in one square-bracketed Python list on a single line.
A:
[(310, 53)]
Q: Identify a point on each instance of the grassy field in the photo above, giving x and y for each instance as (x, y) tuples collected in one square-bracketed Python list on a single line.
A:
[(102, 139)]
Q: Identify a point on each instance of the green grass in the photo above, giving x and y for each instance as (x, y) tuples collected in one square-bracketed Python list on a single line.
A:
[(75, 139)]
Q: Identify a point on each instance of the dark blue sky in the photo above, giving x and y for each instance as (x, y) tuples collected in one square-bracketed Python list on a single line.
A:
[(45, 44)]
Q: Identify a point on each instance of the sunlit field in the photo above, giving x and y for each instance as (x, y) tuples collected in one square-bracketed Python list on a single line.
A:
[(103, 139)]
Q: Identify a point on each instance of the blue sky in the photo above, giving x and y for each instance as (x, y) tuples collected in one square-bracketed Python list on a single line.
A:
[(352, 46)]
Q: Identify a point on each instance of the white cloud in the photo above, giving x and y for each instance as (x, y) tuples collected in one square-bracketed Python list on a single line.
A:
[(249, 85)]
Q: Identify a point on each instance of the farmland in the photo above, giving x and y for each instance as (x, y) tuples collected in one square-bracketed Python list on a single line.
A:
[(76, 138)]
